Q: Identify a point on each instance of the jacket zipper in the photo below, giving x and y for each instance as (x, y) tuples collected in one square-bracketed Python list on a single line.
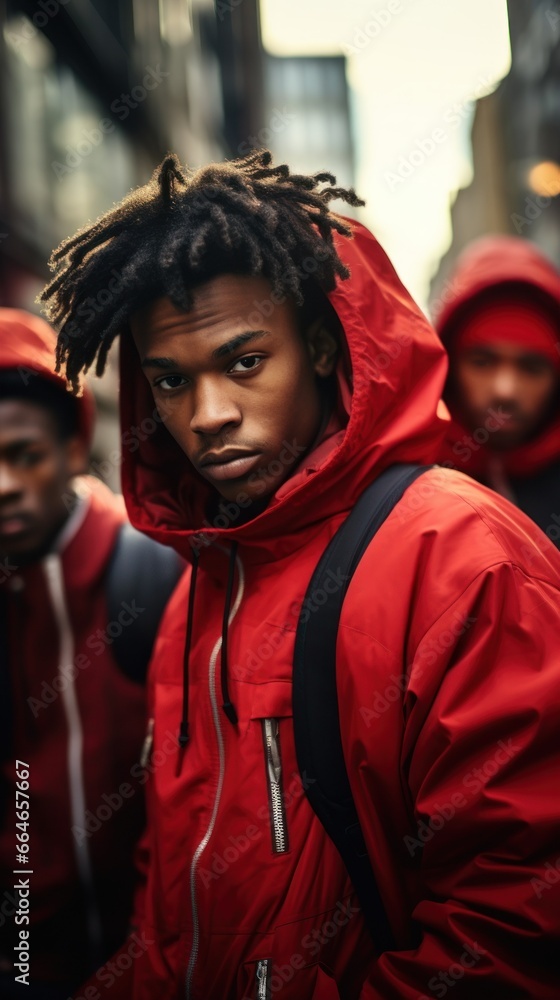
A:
[(55, 583), (262, 977), (221, 771), (147, 745), (274, 780)]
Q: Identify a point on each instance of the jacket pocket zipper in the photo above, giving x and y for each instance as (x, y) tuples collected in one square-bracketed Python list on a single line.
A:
[(274, 781), (147, 744), (262, 979)]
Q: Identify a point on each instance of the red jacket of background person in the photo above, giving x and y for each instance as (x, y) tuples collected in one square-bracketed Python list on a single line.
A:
[(77, 722)]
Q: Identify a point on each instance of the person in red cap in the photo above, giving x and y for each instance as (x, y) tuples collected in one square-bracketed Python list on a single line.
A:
[(72, 716), (501, 326)]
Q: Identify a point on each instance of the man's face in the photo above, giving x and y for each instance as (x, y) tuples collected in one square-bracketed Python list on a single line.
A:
[(518, 385), (35, 470), (234, 394)]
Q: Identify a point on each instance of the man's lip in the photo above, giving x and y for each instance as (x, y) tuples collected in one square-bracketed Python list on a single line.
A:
[(227, 455), (240, 464), (15, 525)]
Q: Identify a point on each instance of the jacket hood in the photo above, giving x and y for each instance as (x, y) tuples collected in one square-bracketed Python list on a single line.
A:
[(27, 343), (492, 262), (398, 368)]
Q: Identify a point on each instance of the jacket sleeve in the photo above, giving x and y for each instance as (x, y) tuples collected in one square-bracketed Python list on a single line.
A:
[(480, 763)]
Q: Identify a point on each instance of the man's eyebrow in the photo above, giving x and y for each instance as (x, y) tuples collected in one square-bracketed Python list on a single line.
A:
[(159, 363), (13, 449), (221, 352), (536, 357), (242, 338), (487, 352)]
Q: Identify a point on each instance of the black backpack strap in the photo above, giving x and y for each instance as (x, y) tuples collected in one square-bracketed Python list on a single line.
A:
[(141, 577), (315, 700)]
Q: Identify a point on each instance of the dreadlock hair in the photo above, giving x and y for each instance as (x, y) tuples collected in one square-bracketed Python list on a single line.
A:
[(181, 229)]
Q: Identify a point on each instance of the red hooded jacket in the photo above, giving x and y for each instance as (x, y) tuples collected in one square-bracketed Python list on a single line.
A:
[(68, 702), (531, 472), (448, 675)]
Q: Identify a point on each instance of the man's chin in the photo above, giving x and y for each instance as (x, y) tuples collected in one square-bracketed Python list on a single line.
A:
[(502, 441), (28, 548)]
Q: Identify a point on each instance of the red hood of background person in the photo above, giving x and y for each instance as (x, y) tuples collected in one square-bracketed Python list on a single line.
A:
[(496, 262), (27, 343), (388, 410)]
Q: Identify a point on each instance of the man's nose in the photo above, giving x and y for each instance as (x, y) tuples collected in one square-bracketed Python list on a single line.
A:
[(10, 484), (505, 384), (213, 409)]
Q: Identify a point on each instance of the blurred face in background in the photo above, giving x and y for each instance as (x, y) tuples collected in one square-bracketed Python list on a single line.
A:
[(36, 466), (519, 385)]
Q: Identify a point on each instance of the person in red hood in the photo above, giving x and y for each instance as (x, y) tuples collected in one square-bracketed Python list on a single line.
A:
[(65, 755), (286, 367), (501, 326)]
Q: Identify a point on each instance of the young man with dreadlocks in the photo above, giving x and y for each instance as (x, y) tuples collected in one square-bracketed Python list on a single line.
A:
[(286, 368)]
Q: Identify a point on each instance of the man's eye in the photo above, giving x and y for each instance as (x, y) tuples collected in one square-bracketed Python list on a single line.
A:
[(173, 382), (30, 458), (535, 368), (247, 364)]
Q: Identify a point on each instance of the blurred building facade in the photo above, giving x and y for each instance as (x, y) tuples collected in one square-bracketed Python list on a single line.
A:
[(515, 145), (307, 114)]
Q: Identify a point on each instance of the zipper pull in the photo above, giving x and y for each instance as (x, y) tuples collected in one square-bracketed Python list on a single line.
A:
[(147, 744), (274, 762), (263, 967)]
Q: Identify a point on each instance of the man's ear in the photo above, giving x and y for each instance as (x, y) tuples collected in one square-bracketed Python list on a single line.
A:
[(322, 346), (77, 456)]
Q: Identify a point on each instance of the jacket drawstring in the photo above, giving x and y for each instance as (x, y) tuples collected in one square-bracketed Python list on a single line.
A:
[(228, 706), (184, 728)]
